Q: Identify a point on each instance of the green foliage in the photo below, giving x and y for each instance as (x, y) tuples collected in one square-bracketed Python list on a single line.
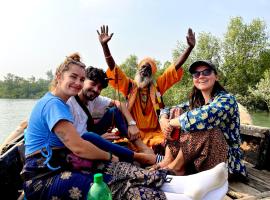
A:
[(49, 75), (242, 58), (177, 94), (251, 102), (262, 89), (112, 93), (208, 48), (243, 47), (14, 87), (129, 66)]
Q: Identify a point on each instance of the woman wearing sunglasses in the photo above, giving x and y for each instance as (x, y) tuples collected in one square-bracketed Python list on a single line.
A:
[(209, 124), (50, 135)]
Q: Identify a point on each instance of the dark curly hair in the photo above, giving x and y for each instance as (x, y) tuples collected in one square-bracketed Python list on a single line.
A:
[(97, 75)]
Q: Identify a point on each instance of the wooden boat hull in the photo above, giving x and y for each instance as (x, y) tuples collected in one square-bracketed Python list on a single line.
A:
[(256, 145), (10, 167)]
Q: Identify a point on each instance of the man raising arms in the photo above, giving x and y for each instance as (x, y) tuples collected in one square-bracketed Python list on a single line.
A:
[(144, 93)]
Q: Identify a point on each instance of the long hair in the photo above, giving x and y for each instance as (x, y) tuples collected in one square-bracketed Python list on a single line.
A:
[(196, 98), (71, 59)]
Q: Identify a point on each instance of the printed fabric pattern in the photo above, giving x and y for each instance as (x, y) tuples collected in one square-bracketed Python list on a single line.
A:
[(221, 112), (126, 181)]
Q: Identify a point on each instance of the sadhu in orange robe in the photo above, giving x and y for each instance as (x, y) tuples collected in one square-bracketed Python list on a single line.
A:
[(143, 103)]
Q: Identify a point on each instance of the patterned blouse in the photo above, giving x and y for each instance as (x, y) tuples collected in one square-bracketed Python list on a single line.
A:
[(222, 112)]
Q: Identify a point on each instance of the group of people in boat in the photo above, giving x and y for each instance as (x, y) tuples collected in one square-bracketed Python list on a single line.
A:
[(69, 136)]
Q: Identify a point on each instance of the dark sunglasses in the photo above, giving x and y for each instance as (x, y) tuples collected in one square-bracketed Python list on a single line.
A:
[(206, 72)]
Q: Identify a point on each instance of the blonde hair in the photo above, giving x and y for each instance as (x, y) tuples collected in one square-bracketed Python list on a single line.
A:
[(74, 58)]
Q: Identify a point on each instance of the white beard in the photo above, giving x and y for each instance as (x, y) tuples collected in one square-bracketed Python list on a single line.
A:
[(142, 81)]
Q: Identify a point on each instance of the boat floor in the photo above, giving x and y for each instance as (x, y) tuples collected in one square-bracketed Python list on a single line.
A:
[(258, 186)]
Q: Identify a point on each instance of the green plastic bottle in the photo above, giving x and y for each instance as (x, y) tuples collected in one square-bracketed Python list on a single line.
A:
[(99, 190)]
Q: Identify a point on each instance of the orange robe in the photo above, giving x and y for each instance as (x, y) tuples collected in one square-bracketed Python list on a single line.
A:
[(146, 117)]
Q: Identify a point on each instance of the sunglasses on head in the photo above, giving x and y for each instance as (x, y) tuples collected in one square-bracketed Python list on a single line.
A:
[(206, 72)]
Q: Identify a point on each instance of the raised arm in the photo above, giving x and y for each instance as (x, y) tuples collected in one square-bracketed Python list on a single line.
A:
[(104, 38), (191, 41)]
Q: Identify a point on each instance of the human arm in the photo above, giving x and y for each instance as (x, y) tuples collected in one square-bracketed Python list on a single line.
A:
[(218, 113), (167, 115), (110, 136), (19, 131), (191, 41), (164, 122), (133, 131), (67, 133), (104, 38), (174, 123)]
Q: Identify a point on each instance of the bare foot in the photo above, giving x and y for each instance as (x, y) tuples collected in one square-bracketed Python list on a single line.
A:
[(163, 164), (177, 165), (175, 169), (143, 148), (168, 158)]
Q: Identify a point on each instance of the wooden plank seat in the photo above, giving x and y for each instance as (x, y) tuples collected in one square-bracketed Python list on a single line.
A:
[(256, 150)]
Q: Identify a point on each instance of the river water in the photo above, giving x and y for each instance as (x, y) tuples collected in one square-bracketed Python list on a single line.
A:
[(14, 111)]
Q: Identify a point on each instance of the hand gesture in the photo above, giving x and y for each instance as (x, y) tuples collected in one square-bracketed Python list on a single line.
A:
[(166, 128), (104, 36), (133, 133), (114, 158), (191, 38), (110, 136)]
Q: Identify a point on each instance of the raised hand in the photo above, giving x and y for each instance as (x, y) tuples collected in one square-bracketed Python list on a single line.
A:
[(191, 38), (191, 41), (103, 35)]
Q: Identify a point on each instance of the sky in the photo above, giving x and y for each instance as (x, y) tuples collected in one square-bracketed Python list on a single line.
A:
[(36, 35)]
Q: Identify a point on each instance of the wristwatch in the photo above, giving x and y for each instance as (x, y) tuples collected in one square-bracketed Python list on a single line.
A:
[(132, 123)]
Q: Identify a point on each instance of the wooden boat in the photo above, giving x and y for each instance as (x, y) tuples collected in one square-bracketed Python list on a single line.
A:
[(11, 163), (256, 147)]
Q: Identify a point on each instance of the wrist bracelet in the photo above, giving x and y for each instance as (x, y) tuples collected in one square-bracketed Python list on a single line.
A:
[(110, 156), (132, 123), (161, 118), (108, 56)]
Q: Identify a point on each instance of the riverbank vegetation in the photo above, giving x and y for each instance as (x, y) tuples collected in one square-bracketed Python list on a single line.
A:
[(242, 57), (15, 87)]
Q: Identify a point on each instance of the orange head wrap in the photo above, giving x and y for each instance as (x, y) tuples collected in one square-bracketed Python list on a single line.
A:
[(151, 62)]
